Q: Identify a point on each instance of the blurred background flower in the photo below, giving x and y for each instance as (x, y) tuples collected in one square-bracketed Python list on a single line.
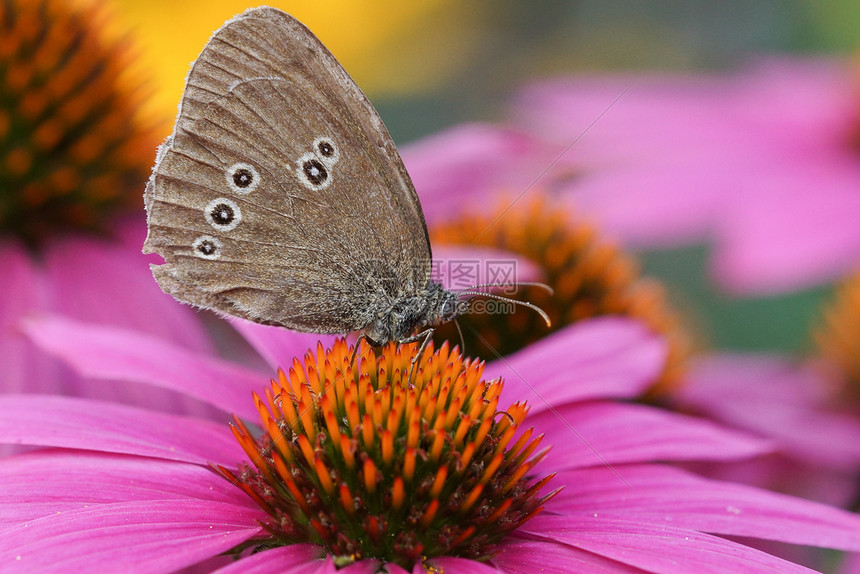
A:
[(74, 151)]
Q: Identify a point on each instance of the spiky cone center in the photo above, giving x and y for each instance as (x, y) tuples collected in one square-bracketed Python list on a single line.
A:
[(589, 276), (73, 147), (837, 338), (356, 458)]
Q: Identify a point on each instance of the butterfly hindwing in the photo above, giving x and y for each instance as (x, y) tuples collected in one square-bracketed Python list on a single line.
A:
[(280, 196)]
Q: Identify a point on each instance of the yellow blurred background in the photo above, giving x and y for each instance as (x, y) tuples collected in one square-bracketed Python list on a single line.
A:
[(389, 46), (427, 64)]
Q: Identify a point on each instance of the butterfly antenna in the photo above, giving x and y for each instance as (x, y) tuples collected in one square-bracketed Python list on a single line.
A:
[(543, 286), (462, 340), (362, 337), (531, 306)]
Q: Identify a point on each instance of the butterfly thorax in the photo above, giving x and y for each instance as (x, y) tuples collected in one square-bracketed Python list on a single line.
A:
[(398, 319)]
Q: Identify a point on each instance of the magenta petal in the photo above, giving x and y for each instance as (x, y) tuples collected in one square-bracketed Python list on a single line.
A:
[(110, 283), (600, 358), (664, 495), (368, 566), (663, 549), (278, 346), (517, 556), (21, 293), (596, 434), (303, 559), (776, 398), (47, 482), (151, 536), (461, 267), (459, 167), (111, 353), (650, 206), (292, 559), (785, 235), (100, 426)]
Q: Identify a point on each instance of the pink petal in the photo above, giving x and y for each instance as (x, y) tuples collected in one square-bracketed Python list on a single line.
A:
[(111, 353), (367, 566), (460, 267), (278, 346), (295, 558), (811, 97), (27, 290), (21, 293), (94, 425), (628, 117), (106, 282), (650, 206), (600, 433), (600, 358), (850, 564), (455, 169), (151, 536), (796, 228), (662, 495), (778, 399), (302, 558), (49, 482), (663, 549), (518, 556)]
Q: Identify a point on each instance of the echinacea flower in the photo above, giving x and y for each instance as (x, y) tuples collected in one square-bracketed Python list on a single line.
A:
[(74, 157), (123, 487)]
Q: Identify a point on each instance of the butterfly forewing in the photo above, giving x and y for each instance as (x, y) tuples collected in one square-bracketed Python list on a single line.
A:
[(280, 196)]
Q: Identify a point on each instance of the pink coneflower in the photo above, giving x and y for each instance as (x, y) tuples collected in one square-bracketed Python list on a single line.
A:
[(443, 474), (74, 156)]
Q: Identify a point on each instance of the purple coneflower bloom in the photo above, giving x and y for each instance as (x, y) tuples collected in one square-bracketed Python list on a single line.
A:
[(122, 487)]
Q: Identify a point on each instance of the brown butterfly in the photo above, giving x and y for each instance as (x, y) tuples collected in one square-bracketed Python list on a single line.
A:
[(281, 198)]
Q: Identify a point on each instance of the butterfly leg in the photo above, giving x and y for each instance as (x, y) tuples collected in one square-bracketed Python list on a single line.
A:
[(427, 336), (358, 341)]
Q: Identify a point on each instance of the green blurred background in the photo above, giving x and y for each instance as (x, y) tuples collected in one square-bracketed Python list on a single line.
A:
[(430, 64)]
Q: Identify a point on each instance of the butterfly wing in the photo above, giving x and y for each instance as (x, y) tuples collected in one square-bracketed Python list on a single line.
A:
[(280, 197)]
